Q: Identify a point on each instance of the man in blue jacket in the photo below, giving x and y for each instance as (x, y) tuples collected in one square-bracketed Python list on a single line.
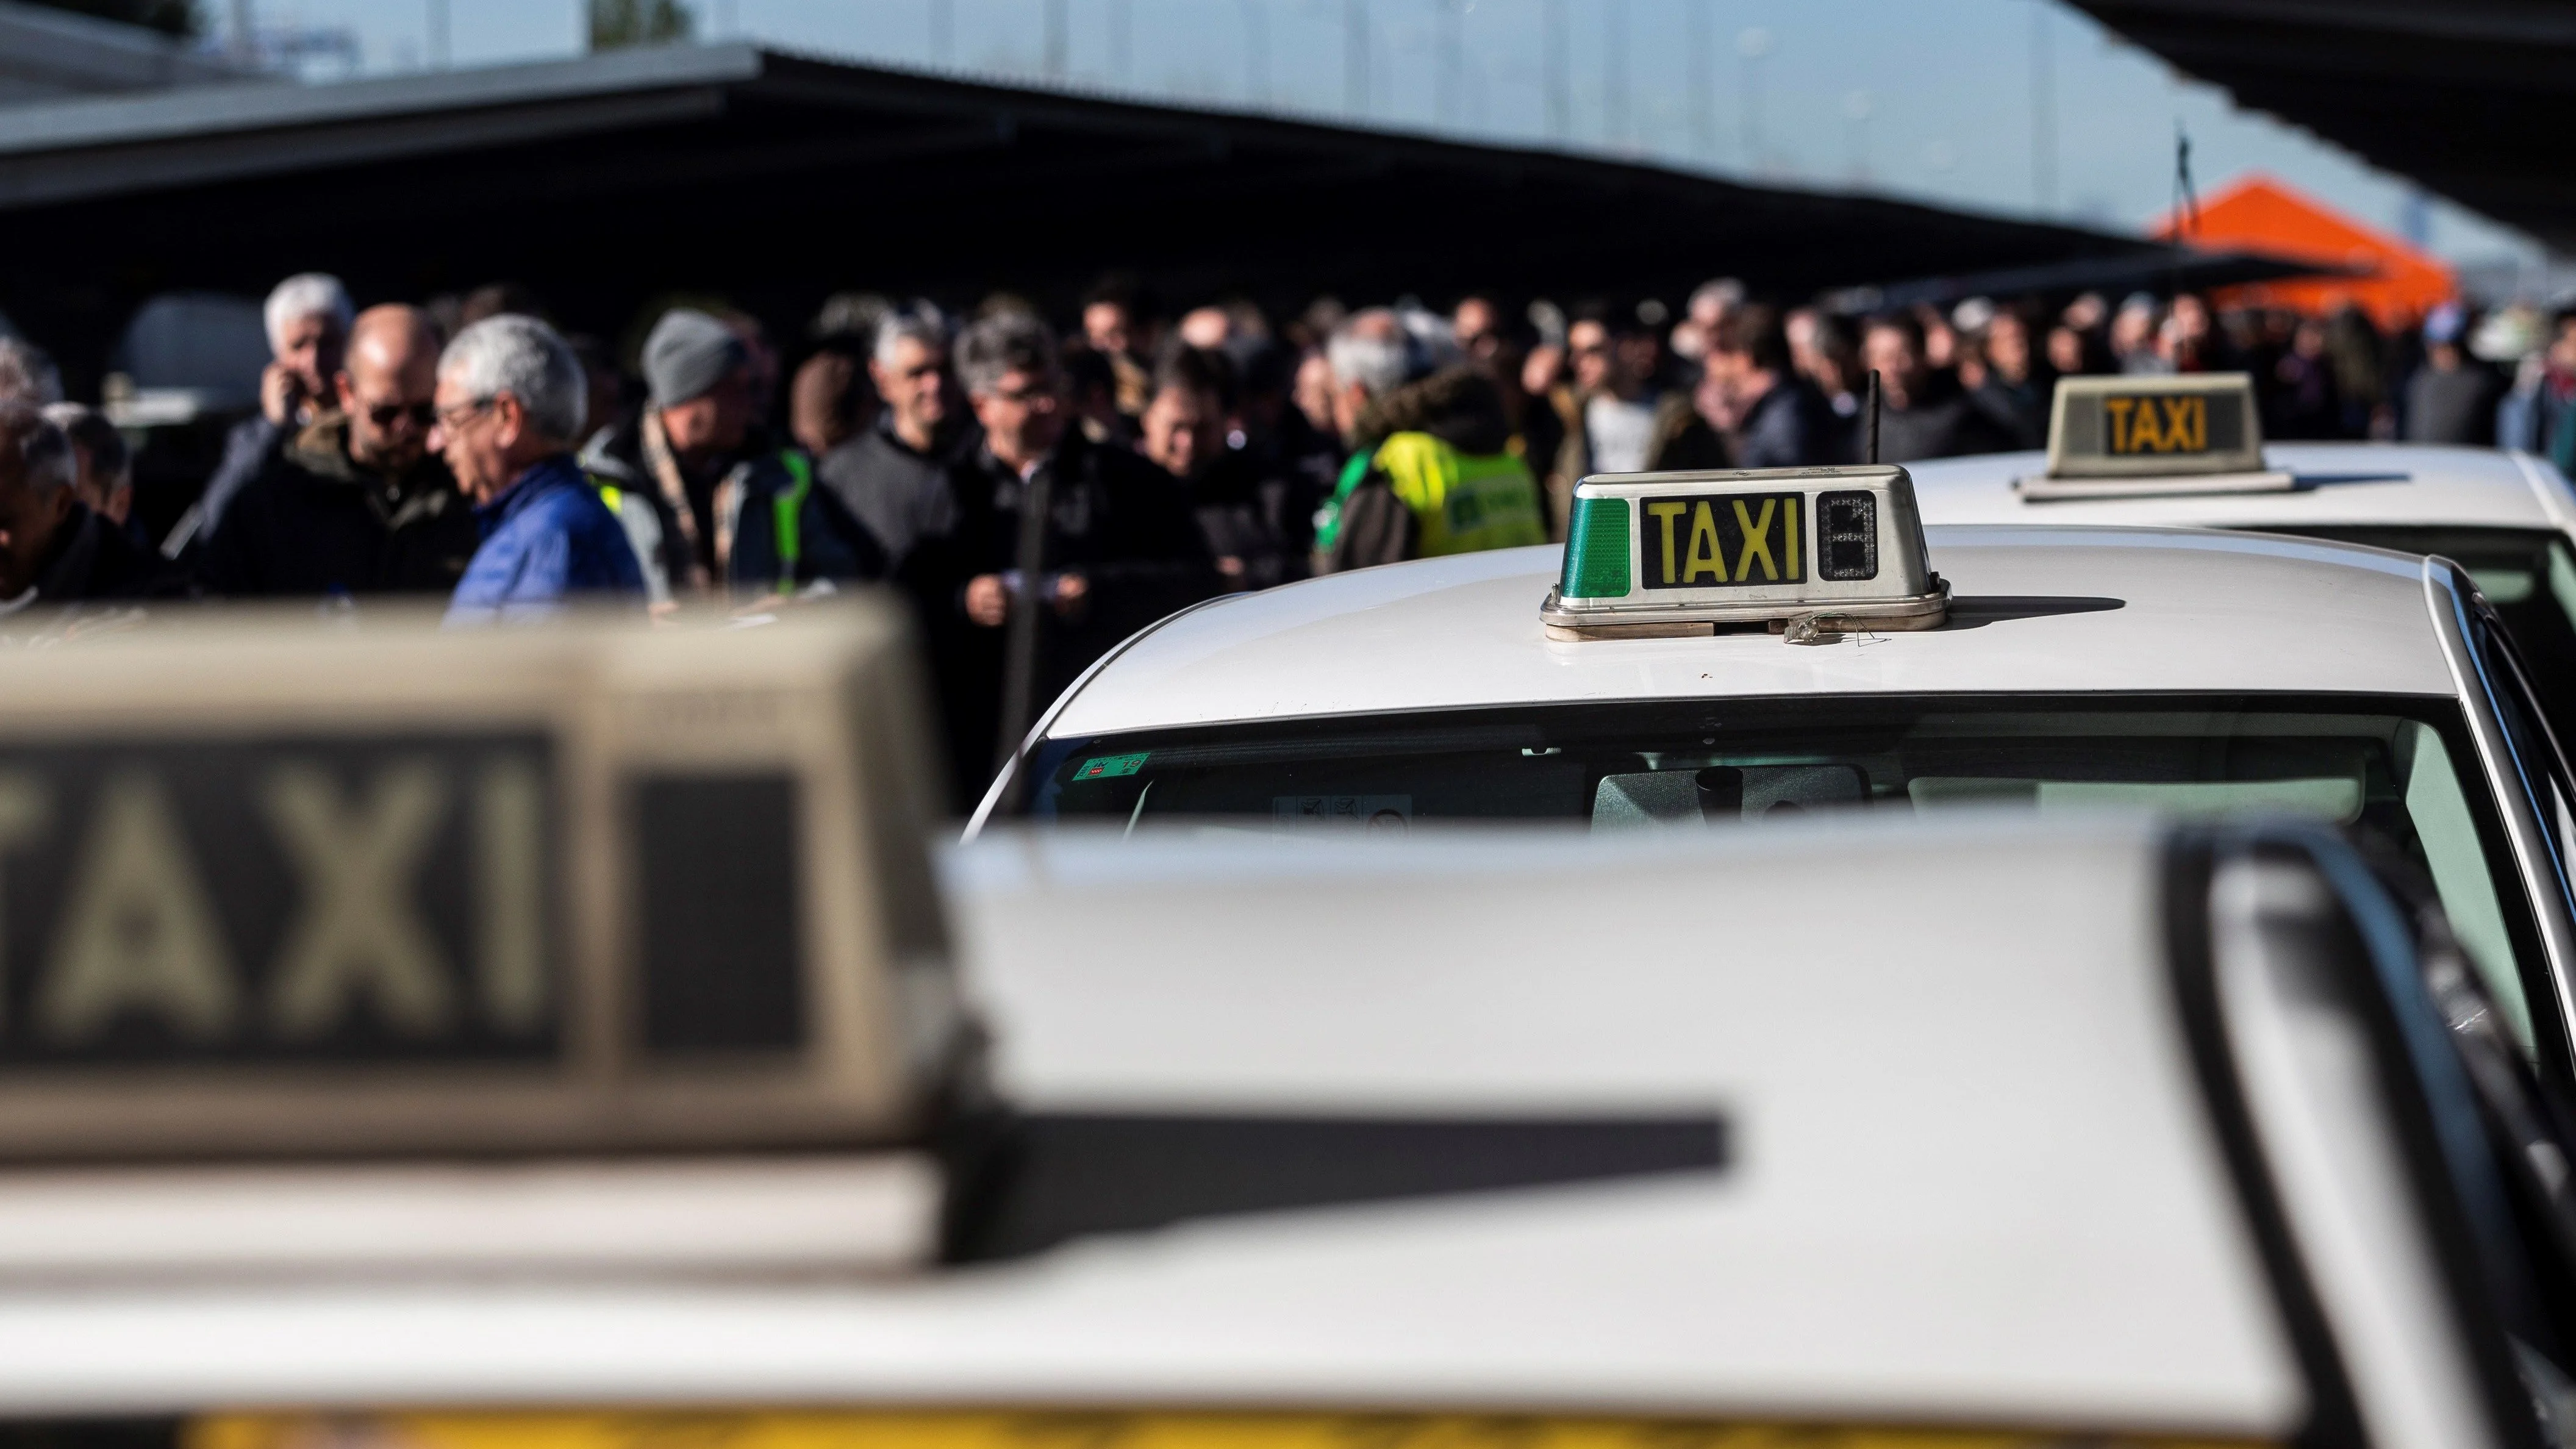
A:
[(511, 398)]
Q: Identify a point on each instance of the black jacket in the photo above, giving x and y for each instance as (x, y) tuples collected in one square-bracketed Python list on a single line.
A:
[(1123, 524), (1791, 426), (249, 446), (92, 561), (2018, 410), (1251, 514), (1943, 422), (830, 543), (900, 495), (313, 522)]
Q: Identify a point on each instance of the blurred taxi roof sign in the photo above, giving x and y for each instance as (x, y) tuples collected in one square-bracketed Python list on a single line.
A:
[(2190, 433), (1805, 550), (282, 890)]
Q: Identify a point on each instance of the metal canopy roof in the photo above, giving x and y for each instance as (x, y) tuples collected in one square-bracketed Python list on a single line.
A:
[(606, 180), (46, 53), (2472, 98)]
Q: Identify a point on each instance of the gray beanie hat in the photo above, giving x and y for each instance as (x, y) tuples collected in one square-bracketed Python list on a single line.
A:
[(687, 354)]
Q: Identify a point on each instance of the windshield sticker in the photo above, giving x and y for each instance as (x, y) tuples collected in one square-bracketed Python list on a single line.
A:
[(1110, 767)]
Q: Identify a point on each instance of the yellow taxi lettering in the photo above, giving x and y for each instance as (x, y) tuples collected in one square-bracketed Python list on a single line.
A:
[(357, 931), (1757, 541), (1705, 553), (139, 931), (2115, 410), (143, 927), (2187, 424), (509, 844), (2144, 434), (1664, 514), (2151, 432)]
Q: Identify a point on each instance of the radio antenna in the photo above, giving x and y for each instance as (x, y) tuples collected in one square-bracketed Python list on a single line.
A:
[(2182, 231), (1872, 425)]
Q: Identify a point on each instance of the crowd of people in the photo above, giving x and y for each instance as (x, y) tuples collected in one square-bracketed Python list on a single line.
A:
[(1038, 496)]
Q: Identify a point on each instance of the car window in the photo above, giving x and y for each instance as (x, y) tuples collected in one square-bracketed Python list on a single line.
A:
[(2446, 828), (2537, 761), (2527, 574), (2399, 768)]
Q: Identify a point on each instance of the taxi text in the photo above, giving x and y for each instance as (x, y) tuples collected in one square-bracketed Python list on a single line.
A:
[(2157, 424), (1728, 540), (248, 900)]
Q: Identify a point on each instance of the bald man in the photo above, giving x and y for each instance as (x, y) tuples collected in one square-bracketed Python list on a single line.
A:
[(356, 503)]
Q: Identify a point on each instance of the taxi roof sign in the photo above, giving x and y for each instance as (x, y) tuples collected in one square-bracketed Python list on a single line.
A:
[(290, 890), (1833, 550), (2127, 436)]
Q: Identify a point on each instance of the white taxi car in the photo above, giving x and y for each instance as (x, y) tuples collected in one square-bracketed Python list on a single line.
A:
[(2186, 1151), (2194, 672), (2508, 517), (577, 1058)]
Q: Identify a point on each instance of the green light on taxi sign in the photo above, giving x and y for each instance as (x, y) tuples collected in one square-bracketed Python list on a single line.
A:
[(1111, 767), (1675, 554), (1596, 549)]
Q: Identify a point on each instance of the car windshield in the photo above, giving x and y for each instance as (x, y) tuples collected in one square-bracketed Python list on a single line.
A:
[(2529, 574), (2393, 766)]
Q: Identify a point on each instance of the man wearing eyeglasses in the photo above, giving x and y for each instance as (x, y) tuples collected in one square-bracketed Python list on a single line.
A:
[(356, 503)]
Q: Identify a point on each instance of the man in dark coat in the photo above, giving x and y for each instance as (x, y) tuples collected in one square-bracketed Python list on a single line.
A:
[(1243, 514), (356, 503), (1019, 601), (53, 550), (1924, 412), (307, 317), (1776, 419), (893, 476)]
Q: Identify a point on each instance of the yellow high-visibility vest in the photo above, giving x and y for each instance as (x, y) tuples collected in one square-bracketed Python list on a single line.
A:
[(1464, 502)]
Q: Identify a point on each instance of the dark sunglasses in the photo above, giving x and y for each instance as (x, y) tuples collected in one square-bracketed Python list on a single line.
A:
[(422, 414)]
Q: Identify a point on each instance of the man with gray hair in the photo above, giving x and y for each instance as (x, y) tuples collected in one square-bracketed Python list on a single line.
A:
[(894, 476), (307, 317), (510, 403), (1063, 547), (1371, 355), (53, 549)]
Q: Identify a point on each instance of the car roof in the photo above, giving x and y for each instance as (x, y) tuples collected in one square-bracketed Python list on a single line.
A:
[(2342, 485), (1912, 1141), (1531, 973), (2037, 609)]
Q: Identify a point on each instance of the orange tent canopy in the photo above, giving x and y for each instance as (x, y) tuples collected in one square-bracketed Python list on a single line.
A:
[(2258, 213)]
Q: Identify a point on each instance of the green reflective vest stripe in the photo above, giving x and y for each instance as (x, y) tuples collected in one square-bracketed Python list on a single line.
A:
[(1328, 519), (789, 511), (1465, 503)]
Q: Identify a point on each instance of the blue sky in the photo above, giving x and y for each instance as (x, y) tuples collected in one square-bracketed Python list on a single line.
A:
[(1928, 99)]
